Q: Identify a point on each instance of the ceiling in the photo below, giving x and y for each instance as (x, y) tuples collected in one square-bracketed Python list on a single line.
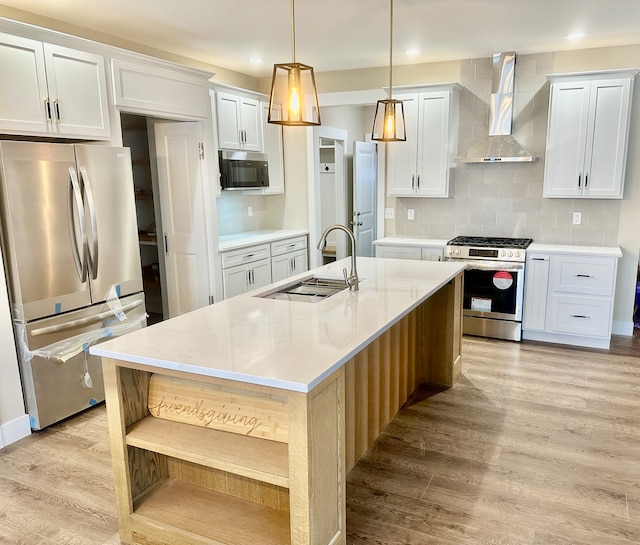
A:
[(346, 34)]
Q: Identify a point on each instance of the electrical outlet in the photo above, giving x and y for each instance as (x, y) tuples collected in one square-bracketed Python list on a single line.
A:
[(389, 213), (577, 218), (411, 214), (250, 211)]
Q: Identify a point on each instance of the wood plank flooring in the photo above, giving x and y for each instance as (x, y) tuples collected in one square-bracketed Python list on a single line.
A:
[(535, 445)]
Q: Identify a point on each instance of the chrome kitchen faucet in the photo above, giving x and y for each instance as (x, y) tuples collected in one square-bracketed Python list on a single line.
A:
[(351, 280)]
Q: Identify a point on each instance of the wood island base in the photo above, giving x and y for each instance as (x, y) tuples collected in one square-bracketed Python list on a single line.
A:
[(269, 476)]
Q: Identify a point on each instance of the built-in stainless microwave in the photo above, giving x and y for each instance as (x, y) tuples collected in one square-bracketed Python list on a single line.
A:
[(243, 170)]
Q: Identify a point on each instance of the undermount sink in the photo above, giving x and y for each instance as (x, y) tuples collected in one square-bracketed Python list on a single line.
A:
[(309, 290)]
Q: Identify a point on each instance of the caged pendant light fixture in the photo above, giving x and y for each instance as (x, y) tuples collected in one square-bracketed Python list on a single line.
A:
[(389, 124), (294, 99)]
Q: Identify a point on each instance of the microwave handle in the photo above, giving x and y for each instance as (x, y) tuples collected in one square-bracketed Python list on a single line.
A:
[(265, 175)]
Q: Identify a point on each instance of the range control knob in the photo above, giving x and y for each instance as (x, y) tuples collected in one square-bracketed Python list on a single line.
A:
[(517, 254), (503, 253), (510, 254), (458, 251)]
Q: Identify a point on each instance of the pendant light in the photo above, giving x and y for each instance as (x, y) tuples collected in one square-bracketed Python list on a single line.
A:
[(389, 124), (293, 100)]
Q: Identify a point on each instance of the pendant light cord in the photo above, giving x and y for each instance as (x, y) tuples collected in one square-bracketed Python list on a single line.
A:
[(391, 48), (293, 30)]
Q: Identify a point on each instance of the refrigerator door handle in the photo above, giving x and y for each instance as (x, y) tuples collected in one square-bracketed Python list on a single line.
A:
[(72, 324), (75, 201), (92, 254)]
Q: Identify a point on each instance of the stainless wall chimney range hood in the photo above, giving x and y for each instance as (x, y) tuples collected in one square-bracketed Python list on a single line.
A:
[(499, 146)]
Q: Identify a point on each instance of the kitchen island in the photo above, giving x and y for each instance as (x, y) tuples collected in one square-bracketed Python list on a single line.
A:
[(238, 423)]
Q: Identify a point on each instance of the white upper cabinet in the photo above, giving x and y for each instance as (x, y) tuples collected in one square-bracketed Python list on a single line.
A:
[(273, 147), (154, 88), (421, 166), (587, 135), (239, 122), (52, 90)]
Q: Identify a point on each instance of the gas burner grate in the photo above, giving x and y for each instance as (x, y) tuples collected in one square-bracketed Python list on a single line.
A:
[(491, 242)]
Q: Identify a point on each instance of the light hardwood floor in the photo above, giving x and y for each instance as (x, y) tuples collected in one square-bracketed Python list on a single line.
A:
[(535, 445)]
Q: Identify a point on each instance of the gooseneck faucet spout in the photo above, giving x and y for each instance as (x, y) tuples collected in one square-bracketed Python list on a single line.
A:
[(352, 279)]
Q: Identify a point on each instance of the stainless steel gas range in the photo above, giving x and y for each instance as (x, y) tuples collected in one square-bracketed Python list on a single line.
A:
[(493, 284)]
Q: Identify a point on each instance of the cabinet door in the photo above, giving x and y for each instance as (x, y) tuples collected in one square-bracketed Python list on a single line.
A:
[(607, 141), (280, 267), (286, 265), (536, 284), (401, 156), (273, 147), (251, 124), (23, 88), (228, 116), (566, 139), (260, 274), (432, 170), (78, 92), (235, 281)]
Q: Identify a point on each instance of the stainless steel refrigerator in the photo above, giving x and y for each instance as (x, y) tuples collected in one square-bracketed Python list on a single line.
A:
[(70, 244)]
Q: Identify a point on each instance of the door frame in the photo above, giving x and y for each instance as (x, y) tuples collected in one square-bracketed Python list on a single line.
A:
[(315, 229)]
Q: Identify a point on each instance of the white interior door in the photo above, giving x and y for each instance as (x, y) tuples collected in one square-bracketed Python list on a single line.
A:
[(365, 187), (180, 183)]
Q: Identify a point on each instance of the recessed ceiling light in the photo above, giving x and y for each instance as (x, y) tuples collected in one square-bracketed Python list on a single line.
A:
[(412, 52), (256, 60), (575, 36)]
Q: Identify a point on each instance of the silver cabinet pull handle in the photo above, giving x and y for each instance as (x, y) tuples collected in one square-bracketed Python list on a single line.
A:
[(413, 182), (579, 316), (56, 107), (418, 177), (584, 275), (47, 106), (247, 256)]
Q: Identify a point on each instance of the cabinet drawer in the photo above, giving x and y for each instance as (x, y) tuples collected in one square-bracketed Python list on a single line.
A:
[(588, 275), (580, 316), (245, 255), (288, 245)]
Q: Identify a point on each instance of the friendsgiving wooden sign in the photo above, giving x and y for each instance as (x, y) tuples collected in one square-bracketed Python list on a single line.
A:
[(219, 408)]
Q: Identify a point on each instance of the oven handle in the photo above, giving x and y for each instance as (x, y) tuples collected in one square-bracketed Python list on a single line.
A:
[(489, 265)]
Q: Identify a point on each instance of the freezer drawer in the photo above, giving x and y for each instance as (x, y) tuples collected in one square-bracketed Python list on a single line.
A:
[(59, 376)]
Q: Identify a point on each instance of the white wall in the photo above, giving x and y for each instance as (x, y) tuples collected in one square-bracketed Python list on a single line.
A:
[(14, 422)]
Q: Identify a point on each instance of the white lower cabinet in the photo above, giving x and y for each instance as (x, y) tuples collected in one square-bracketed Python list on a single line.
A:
[(536, 286), (569, 297), (256, 266), (424, 253), (243, 278), (246, 269), (288, 257)]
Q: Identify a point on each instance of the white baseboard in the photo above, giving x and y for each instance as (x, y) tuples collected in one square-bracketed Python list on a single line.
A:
[(15, 430), (622, 328)]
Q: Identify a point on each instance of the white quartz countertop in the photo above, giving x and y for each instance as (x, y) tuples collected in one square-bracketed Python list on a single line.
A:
[(251, 238), (411, 241), (286, 344), (597, 251)]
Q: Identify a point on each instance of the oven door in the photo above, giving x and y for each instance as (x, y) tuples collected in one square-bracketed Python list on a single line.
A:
[(493, 289)]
